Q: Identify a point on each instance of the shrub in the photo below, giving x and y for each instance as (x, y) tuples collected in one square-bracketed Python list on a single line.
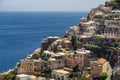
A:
[(103, 75)]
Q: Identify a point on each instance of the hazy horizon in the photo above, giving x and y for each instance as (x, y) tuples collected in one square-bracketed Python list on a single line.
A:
[(48, 5)]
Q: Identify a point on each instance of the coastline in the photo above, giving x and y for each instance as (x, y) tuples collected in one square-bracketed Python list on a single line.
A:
[(84, 48), (8, 71), (31, 34)]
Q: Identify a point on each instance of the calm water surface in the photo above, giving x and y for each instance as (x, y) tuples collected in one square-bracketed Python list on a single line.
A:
[(22, 32)]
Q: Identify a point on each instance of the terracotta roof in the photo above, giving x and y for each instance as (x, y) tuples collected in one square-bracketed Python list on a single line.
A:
[(101, 61)]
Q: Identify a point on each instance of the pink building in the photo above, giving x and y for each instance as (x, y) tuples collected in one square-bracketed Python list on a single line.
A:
[(78, 57)]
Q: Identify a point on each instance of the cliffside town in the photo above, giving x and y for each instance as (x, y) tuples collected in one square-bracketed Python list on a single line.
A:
[(88, 51)]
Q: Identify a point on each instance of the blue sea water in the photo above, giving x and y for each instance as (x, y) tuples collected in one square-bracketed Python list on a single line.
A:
[(22, 32)]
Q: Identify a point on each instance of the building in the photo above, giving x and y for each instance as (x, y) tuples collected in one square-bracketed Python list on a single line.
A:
[(74, 30), (25, 67), (115, 14), (60, 43), (56, 45), (82, 20), (116, 74), (36, 54), (22, 77), (29, 66), (79, 57), (32, 77), (41, 78), (55, 60), (51, 39), (47, 42), (89, 27), (83, 39), (60, 74), (99, 66), (112, 28), (67, 44), (37, 65)]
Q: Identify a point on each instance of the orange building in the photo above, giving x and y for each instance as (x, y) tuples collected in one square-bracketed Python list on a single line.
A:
[(99, 66)]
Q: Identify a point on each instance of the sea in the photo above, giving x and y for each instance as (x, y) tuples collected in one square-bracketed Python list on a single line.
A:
[(22, 32)]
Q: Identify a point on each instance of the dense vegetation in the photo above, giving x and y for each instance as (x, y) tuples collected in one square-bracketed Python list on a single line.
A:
[(9, 76), (103, 75), (114, 3), (105, 47)]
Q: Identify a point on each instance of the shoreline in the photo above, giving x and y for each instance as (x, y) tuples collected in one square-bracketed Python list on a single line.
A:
[(81, 49), (7, 72), (12, 69)]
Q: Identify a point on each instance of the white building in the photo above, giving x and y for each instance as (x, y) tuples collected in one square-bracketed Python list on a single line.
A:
[(89, 27), (112, 28), (115, 14), (41, 78), (56, 61), (22, 77), (60, 74)]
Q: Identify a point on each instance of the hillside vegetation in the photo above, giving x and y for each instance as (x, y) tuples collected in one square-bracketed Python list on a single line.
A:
[(114, 3)]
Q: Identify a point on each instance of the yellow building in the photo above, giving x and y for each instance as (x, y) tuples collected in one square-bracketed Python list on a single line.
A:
[(99, 66)]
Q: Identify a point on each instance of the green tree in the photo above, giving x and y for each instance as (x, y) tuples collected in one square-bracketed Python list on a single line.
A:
[(9, 76), (115, 4), (75, 72), (76, 69), (37, 74), (99, 41), (112, 3), (94, 48)]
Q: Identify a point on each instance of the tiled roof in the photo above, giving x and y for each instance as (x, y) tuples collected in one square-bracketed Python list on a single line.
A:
[(101, 61)]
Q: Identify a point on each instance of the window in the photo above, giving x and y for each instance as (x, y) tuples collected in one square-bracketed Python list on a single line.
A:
[(58, 79), (80, 55), (30, 64), (62, 78), (54, 76)]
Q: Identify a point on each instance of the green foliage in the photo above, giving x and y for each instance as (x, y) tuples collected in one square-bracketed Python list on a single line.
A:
[(76, 69), (81, 78), (37, 74), (9, 76), (118, 39), (99, 41), (112, 3), (103, 75), (46, 70), (93, 48), (43, 75), (102, 23), (115, 4), (73, 74)]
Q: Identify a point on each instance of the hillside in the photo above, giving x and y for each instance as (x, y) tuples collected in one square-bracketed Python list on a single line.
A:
[(114, 3)]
